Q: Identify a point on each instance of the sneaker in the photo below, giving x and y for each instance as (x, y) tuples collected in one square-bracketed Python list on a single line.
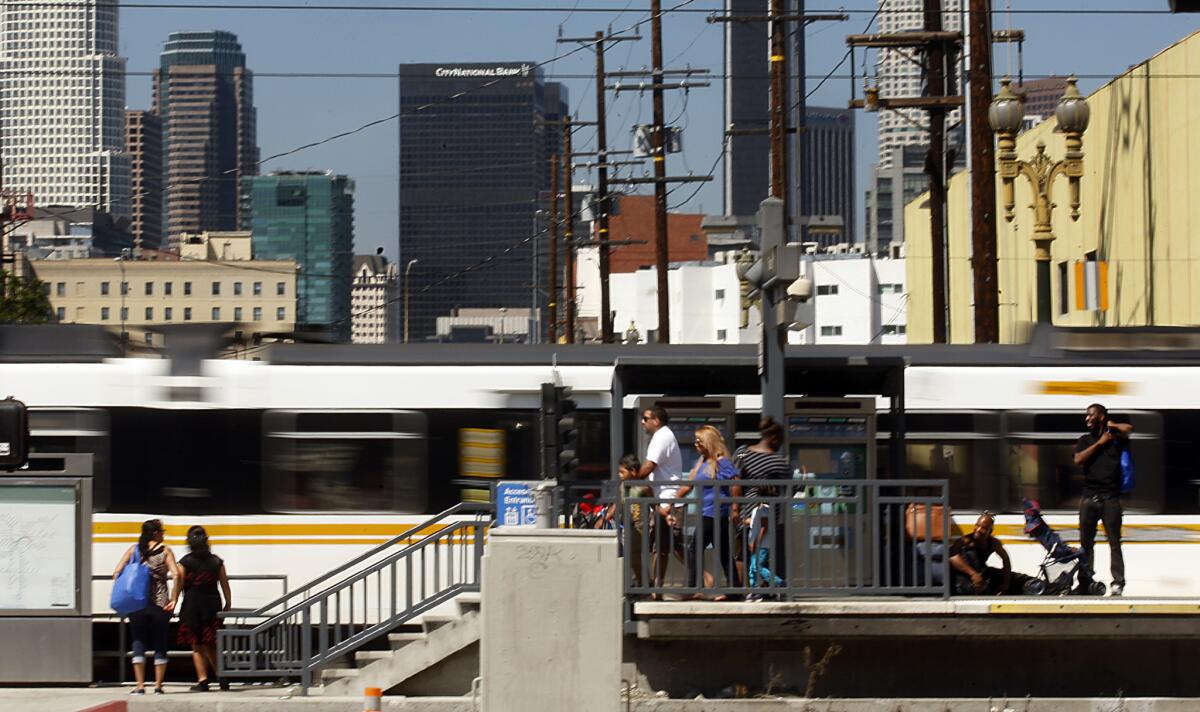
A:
[(1116, 589), (224, 685), (159, 691), (138, 691), (201, 686)]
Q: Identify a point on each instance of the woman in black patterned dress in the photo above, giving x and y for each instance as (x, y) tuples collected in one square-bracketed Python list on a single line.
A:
[(199, 573)]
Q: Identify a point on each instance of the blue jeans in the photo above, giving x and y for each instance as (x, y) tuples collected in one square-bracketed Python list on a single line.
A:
[(151, 629), (759, 573)]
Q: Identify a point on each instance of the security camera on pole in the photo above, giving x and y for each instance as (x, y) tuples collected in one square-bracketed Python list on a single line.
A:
[(787, 303)]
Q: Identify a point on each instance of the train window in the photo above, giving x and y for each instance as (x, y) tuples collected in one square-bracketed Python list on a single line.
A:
[(1041, 458), (66, 430), (345, 461), (1045, 471), (938, 460)]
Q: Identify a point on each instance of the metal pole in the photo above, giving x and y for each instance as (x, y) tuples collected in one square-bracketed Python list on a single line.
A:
[(569, 223), (552, 306), (935, 165), (772, 224), (606, 326), (661, 247), (983, 178), (121, 287), (407, 272)]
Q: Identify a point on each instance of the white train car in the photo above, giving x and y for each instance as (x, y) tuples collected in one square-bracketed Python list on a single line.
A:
[(301, 461)]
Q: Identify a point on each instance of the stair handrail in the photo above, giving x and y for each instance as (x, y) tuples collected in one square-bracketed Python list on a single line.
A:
[(460, 508), (315, 655)]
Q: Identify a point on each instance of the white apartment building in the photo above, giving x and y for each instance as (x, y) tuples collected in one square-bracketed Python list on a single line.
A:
[(373, 302), (62, 104), (859, 300), (900, 77)]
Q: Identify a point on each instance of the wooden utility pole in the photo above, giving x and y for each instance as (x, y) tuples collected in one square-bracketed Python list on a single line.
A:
[(662, 255), (935, 167), (552, 298), (602, 198), (569, 223), (778, 105), (983, 177)]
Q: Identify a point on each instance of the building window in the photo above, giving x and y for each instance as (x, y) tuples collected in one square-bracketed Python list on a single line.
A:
[(280, 288), (894, 330), (149, 313), (187, 289), (831, 331), (720, 294), (168, 312), (167, 288), (257, 313), (149, 338), (61, 313), (280, 314), (124, 288), (827, 290), (187, 313), (237, 313), (216, 313), (237, 289), (258, 289), (1064, 288), (722, 334), (124, 314), (60, 289), (216, 289), (891, 288), (149, 289), (104, 289), (103, 313)]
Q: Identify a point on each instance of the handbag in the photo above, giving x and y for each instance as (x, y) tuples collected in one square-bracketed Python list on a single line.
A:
[(131, 590), (1128, 475), (921, 521)]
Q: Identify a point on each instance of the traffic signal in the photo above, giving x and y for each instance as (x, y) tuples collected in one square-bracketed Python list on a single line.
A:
[(568, 434), (14, 434), (548, 431)]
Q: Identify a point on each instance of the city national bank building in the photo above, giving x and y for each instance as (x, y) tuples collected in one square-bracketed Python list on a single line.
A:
[(474, 162)]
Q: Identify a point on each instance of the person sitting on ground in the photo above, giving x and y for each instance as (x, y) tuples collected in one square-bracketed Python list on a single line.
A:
[(969, 556)]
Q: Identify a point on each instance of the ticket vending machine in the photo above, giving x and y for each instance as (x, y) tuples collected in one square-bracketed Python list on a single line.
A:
[(687, 416), (830, 439)]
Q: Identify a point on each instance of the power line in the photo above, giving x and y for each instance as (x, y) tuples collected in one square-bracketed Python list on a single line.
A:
[(512, 9)]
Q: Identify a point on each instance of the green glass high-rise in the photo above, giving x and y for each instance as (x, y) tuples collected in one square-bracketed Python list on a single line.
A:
[(307, 217)]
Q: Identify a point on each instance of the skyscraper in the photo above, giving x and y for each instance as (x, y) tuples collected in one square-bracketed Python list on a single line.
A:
[(899, 76), (62, 104), (307, 217), (824, 182), (143, 143), (473, 166), (205, 96)]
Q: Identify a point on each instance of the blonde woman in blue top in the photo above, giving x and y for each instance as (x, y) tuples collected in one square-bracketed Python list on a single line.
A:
[(716, 520)]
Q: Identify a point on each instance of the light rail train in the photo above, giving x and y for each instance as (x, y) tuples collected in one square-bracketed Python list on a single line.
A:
[(298, 462)]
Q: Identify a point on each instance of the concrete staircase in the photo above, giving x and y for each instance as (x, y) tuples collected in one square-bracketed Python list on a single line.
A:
[(442, 658)]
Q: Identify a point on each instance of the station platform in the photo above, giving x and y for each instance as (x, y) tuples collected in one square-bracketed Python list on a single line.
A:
[(1058, 618)]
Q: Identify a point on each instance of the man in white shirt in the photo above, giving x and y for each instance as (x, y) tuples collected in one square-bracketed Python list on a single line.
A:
[(663, 465)]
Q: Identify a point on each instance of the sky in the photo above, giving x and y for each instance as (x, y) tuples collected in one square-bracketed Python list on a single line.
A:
[(1091, 38)]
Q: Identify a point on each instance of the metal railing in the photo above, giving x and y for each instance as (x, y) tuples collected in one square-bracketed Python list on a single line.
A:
[(123, 651), (785, 539), (342, 611)]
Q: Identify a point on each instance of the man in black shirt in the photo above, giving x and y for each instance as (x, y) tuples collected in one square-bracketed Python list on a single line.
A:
[(969, 557), (1099, 452)]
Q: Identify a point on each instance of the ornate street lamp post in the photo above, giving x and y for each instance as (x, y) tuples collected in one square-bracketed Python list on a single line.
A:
[(1005, 115)]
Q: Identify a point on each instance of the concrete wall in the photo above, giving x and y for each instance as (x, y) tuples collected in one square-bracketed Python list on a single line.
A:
[(1138, 213)]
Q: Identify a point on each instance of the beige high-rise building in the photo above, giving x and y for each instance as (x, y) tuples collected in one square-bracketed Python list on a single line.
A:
[(255, 297), (373, 305)]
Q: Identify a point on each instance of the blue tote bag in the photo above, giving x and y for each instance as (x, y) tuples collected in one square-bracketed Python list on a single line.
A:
[(131, 590)]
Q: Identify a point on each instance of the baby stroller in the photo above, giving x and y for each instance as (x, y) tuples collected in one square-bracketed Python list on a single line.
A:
[(1057, 572)]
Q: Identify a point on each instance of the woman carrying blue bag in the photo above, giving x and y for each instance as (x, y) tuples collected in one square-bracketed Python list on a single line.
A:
[(150, 561)]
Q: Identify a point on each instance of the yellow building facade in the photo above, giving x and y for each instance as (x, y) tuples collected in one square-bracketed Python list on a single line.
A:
[(1133, 257)]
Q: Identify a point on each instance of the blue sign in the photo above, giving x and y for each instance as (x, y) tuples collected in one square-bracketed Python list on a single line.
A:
[(514, 504)]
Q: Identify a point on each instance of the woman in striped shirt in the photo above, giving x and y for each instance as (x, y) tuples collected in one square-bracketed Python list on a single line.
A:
[(762, 461)]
